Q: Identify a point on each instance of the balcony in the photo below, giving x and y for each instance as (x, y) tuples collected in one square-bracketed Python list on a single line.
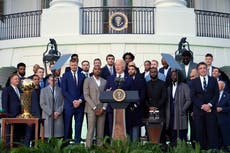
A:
[(20, 25), (212, 24), (105, 20)]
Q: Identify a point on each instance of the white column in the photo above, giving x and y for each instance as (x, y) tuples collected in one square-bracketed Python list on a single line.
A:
[(63, 18), (170, 3), (172, 17)]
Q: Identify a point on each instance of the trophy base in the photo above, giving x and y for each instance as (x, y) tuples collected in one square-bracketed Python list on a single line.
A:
[(25, 116)]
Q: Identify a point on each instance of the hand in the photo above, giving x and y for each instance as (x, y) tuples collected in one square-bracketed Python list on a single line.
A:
[(219, 109), (76, 103), (206, 108), (153, 108), (99, 111), (109, 89), (56, 115)]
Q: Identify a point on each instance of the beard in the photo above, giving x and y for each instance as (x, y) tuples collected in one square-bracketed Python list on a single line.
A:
[(22, 74), (154, 77)]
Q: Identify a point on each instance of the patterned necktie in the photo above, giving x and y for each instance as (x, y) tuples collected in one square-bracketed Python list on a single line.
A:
[(205, 85)]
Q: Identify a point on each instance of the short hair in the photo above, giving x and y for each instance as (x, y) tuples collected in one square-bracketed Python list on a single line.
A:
[(147, 61), (154, 69), (209, 55), (72, 60), (35, 76), (130, 54), (109, 55), (133, 67), (96, 59), (21, 64), (155, 61), (187, 53), (74, 55), (201, 63), (41, 68), (217, 69), (12, 75), (50, 76), (84, 62)]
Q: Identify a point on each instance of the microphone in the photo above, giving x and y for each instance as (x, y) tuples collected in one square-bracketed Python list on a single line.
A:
[(119, 81)]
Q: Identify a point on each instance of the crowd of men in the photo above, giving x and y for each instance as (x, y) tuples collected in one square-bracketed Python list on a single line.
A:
[(198, 94)]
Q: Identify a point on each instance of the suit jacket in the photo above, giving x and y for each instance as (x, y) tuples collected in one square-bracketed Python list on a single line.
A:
[(182, 102), (191, 66), (11, 103), (46, 103), (199, 97), (167, 77), (135, 111), (157, 96), (105, 72), (70, 91), (35, 103), (224, 116), (111, 84), (92, 94)]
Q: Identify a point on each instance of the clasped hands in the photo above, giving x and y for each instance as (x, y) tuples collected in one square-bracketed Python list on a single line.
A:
[(206, 108), (76, 103), (99, 111)]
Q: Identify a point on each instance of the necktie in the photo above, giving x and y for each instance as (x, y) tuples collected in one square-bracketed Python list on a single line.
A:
[(205, 85), (111, 70), (219, 97), (17, 92), (75, 78), (59, 82)]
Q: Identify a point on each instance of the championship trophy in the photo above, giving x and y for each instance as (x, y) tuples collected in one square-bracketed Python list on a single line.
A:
[(27, 87)]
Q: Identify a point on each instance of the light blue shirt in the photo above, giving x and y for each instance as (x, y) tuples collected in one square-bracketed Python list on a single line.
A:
[(160, 77)]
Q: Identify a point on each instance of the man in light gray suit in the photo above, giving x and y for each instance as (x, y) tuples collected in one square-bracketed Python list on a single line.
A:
[(94, 109), (54, 125), (187, 65)]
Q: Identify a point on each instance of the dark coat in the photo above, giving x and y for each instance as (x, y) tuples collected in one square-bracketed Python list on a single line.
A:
[(157, 96), (135, 111), (35, 105), (105, 73), (224, 116), (11, 103), (70, 91), (191, 66)]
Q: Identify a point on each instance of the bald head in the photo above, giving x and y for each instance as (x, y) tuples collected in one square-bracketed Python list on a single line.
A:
[(119, 66)]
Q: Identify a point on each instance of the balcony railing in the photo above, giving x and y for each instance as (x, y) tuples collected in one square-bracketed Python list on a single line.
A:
[(212, 24), (101, 20), (20, 25)]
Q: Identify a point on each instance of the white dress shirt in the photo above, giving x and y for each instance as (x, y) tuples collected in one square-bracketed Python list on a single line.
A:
[(174, 86)]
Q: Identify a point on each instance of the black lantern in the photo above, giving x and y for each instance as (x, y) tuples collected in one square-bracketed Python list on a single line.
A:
[(52, 55), (182, 46)]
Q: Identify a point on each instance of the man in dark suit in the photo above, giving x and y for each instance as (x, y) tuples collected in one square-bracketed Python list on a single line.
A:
[(74, 56), (135, 111), (106, 72), (223, 115), (157, 97), (113, 85), (187, 65), (109, 68), (11, 105), (147, 65), (72, 89), (208, 61), (21, 71), (204, 94), (166, 70)]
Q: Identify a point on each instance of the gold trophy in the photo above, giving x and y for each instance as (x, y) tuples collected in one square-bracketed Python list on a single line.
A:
[(27, 86)]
